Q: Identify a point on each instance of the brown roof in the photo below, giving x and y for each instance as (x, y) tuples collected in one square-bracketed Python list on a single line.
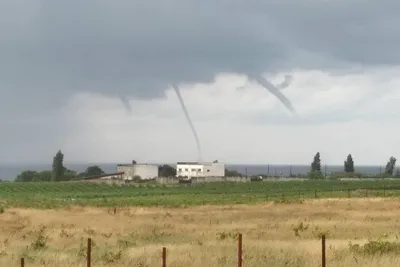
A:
[(100, 176)]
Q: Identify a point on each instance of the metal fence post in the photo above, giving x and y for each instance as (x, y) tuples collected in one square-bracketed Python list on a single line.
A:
[(240, 251), (323, 251), (89, 252)]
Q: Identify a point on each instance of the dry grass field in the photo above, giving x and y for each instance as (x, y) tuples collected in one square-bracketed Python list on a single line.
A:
[(286, 234)]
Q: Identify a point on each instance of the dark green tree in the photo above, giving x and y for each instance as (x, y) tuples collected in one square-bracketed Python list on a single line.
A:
[(232, 173), (390, 165), (349, 164), (43, 176), (34, 176), (315, 171), (68, 174), (316, 164), (58, 169), (27, 176), (94, 170), (166, 171)]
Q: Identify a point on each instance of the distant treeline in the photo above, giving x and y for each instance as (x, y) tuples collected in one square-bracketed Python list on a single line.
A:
[(60, 173)]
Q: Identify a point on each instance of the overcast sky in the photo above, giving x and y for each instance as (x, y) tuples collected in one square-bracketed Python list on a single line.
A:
[(64, 65)]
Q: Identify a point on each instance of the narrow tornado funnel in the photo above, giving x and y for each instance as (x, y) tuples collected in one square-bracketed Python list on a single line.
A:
[(189, 120), (275, 91), (124, 100)]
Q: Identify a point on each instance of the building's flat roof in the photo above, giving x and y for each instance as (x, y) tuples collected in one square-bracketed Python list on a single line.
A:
[(196, 163), (130, 164)]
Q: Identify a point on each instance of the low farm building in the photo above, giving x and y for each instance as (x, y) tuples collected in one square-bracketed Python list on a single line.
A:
[(200, 169), (136, 170)]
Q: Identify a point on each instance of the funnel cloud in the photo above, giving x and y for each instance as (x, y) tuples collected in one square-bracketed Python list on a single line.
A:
[(275, 90), (189, 120), (125, 102)]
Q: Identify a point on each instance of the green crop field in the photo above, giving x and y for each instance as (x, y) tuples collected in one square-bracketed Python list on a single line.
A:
[(53, 195)]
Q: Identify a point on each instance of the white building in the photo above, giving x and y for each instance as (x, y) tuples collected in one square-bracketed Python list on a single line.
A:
[(200, 169), (144, 171)]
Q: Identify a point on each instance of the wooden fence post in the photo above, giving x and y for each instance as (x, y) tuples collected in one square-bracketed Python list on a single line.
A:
[(89, 253), (22, 262), (240, 251), (323, 251), (164, 257)]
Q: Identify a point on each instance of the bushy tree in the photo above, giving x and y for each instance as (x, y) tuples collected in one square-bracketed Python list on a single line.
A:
[(26, 176), (232, 173), (58, 167), (390, 165), (43, 176), (166, 171), (33, 176), (68, 175), (349, 164)]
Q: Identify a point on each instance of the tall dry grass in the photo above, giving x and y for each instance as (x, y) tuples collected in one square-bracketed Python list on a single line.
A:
[(273, 234)]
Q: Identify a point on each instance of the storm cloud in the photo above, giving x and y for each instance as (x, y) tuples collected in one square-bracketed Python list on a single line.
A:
[(55, 51), (51, 50)]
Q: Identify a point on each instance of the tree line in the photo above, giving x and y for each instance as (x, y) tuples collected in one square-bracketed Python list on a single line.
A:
[(60, 173), (349, 169)]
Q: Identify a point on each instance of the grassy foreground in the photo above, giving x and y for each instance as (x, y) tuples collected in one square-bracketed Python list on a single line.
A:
[(57, 195), (273, 234)]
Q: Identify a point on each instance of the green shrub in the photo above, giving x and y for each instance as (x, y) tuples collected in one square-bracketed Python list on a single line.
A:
[(315, 175)]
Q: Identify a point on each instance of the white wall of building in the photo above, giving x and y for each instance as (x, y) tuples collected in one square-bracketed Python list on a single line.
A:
[(145, 171), (214, 169), (189, 170), (195, 169)]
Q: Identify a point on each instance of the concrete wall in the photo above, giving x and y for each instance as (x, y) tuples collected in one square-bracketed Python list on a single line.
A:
[(173, 180), (145, 171)]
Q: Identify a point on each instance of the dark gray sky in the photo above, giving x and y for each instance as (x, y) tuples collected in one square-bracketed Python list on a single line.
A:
[(51, 51)]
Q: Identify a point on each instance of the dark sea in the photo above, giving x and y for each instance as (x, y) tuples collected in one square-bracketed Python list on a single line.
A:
[(10, 171)]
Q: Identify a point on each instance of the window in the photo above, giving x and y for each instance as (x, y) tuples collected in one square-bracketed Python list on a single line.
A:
[(186, 170), (199, 170), (180, 169), (208, 170), (193, 170)]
